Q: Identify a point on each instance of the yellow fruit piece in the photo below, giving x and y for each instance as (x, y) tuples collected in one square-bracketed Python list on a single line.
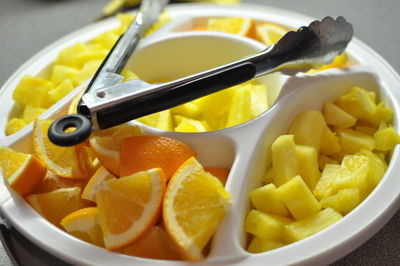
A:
[(265, 226), (194, 199), (73, 105), (161, 120), (324, 160), (14, 125), (31, 113), (23, 172), (60, 73), (84, 224), (270, 33), (86, 72), (381, 113), (386, 139), (106, 144), (324, 187), (365, 129), (258, 245), (308, 128), (130, 206), (93, 53), (70, 162), (335, 116), (267, 200), (190, 110), (298, 198), (51, 182), (32, 91), (339, 61), (125, 20), (344, 201), (66, 56), (284, 159), (234, 25), (310, 225), (61, 90), (190, 125), (57, 204), (353, 141), (329, 142), (128, 75), (106, 40), (308, 165), (268, 177), (377, 168), (358, 103), (95, 183)]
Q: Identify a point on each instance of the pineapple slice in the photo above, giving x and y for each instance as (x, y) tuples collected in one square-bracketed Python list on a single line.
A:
[(329, 142), (353, 141), (31, 113), (298, 198), (265, 226), (308, 128), (60, 73), (310, 225), (324, 188), (284, 159), (344, 201), (161, 120), (33, 91), (308, 165), (386, 139), (324, 160), (267, 200), (258, 245), (335, 116)]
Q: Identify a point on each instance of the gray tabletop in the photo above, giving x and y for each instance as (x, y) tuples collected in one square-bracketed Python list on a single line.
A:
[(26, 26)]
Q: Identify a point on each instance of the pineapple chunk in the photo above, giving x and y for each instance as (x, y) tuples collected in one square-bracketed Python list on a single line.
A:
[(106, 40), (310, 225), (359, 103), (381, 113), (267, 200), (344, 201), (353, 141), (66, 57), (284, 159), (324, 160), (265, 226), (386, 139), (60, 73), (365, 129), (377, 168), (269, 175), (189, 110), (31, 113), (308, 128), (61, 90), (335, 116), (161, 120), (14, 125), (258, 245), (329, 142), (128, 75), (308, 165), (88, 70), (33, 91), (324, 187), (298, 198), (190, 125), (91, 54)]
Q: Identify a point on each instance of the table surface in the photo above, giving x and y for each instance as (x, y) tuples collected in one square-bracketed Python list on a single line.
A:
[(26, 26)]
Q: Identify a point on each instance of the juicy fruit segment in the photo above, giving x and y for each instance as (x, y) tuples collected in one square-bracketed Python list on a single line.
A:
[(310, 225), (31, 112), (95, 183), (270, 33), (284, 159), (234, 25), (267, 200), (141, 153), (32, 91), (14, 125), (344, 201), (51, 182), (24, 172), (386, 139), (194, 199), (353, 141), (220, 173), (308, 165), (258, 245), (84, 224), (324, 187), (335, 116), (161, 120), (330, 143), (130, 206), (190, 125)]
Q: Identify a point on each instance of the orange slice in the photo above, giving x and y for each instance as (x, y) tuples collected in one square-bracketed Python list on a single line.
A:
[(234, 25), (194, 200), (130, 206), (51, 182), (106, 144), (23, 171), (142, 153), (270, 33), (84, 224), (220, 173), (95, 182), (70, 162)]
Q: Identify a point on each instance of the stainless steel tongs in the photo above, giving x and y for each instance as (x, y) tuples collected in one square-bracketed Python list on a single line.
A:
[(109, 102)]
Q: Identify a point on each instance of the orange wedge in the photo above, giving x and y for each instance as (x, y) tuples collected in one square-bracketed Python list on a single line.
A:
[(270, 33), (220, 173), (194, 200), (70, 162), (95, 182), (84, 224), (51, 182), (130, 206), (23, 171), (142, 153), (106, 144), (233, 25)]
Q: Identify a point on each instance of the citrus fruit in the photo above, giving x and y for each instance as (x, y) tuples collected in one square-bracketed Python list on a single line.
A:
[(73, 105), (130, 206), (234, 25), (70, 162), (194, 199), (141, 153), (57, 204), (22, 171), (220, 173), (51, 182), (156, 244), (106, 144), (84, 224), (95, 182), (270, 33)]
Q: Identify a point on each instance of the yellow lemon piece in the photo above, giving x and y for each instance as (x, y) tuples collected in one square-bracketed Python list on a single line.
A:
[(270, 33), (234, 25)]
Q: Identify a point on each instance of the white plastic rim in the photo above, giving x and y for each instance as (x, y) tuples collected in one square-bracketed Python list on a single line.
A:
[(246, 147)]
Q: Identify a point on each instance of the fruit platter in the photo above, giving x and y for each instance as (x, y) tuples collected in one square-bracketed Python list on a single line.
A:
[(261, 172)]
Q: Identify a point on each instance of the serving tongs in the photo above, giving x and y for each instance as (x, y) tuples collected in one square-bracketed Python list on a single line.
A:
[(108, 101)]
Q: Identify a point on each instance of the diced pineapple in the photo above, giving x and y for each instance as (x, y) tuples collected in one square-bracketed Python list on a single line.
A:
[(161, 120), (267, 200), (88, 70), (324, 160), (381, 113), (298, 198), (359, 103), (268, 177), (377, 168), (265, 226), (239, 111), (31, 113), (66, 57), (335, 116), (353, 141), (185, 124), (90, 55), (310, 225), (14, 125), (125, 19), (33, 91), (61, 90), (106, 40), (338, 157), (258, 245), (308, 165), (284, 159), (386, 139), (128, 75), (344, 201), (329, 142), (308, 128), (189, 110), (60, 73), (323, 188), (365, 129)]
